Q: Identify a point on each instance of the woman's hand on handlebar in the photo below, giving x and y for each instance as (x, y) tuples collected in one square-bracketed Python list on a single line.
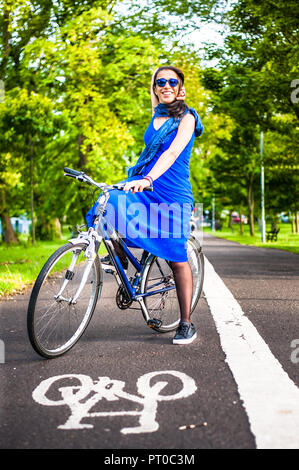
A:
[(136, 186)]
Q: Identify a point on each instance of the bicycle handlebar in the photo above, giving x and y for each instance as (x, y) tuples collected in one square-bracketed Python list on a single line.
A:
[(73, 172), (82, 177)]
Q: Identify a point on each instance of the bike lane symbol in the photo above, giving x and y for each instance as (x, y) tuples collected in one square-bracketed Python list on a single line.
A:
[(83, 397)]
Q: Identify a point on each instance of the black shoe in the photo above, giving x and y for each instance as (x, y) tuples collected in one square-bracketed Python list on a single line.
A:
[(107, 260), (185, 333)]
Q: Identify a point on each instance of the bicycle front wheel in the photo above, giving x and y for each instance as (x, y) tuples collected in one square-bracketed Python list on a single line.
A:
[(162, 305), (55, 321)]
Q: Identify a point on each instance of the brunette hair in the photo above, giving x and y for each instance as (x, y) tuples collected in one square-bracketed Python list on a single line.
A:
[(178, 108)]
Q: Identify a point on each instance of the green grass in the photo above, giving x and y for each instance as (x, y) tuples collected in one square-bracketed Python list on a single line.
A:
[(21, 264), (286, 240)]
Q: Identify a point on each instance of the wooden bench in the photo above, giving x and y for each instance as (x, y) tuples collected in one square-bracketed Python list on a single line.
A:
[(272, 235)]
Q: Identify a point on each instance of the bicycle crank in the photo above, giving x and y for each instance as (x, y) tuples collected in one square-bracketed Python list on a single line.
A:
[(122, 299)]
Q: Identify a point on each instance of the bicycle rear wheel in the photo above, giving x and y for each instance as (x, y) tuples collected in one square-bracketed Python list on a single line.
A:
[(196, 261), (54, 323), (162, 307)]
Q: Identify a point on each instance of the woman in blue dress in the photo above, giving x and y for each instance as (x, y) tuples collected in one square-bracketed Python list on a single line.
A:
[(163, 224)]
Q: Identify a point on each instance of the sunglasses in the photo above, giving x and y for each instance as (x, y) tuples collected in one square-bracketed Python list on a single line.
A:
[(162, 82)]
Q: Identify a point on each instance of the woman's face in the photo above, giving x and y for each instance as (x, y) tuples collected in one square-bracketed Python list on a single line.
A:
[(166, 94)]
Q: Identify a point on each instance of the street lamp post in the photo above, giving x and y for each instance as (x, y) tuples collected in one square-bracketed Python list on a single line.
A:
[(213, 213), (263, 226)]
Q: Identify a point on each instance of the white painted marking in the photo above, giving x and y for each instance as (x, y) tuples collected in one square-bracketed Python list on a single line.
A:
[(270, 397), (83, 397)]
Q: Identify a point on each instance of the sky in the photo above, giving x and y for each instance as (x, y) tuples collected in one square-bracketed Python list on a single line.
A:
[(205, 33)]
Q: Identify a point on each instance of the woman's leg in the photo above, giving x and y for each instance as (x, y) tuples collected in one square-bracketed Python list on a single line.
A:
[(119, 251), (184, 286)]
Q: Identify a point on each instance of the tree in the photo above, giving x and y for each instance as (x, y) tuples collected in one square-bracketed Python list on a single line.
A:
[(97, 81), (9, 179), (25, 118), (81, 63)]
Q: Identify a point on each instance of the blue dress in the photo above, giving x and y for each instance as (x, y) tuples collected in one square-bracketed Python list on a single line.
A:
[(158, 221)]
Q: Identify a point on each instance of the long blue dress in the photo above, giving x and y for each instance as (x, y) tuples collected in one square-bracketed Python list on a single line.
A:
[(158, 221)]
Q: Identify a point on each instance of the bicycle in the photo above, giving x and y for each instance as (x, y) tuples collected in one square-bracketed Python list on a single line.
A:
[(68, 287)]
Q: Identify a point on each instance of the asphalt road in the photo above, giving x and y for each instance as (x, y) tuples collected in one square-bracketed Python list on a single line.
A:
[(123, 386)]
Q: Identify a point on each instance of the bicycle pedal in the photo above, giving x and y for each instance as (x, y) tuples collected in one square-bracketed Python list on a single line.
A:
[(154, 323)]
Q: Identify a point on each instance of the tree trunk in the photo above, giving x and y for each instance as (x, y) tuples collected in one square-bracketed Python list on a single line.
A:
[(297, 222), (32, 194), (241, 222), (5, 43), (250, 198), (9, 235), (47, 228), (57, 228), (293, 222), (230, 220), (83, 160), (83, 157)]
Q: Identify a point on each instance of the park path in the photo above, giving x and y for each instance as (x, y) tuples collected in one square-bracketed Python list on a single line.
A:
[(248, 324)]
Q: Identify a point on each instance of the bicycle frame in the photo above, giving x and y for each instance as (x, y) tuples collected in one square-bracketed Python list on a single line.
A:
[(103, 231), (132, 291), (110, 233)]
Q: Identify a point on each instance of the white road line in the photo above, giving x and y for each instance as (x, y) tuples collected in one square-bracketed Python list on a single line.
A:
[(270, 397)]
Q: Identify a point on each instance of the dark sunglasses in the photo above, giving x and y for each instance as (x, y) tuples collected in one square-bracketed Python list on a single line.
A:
[(162, 82)]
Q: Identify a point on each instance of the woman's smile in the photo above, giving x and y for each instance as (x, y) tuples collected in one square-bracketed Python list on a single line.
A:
[(167, 93)]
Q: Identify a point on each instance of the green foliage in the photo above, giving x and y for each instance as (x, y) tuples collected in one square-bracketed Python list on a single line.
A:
[(252, 85), (84, 73), (77, 77), (20, 265)]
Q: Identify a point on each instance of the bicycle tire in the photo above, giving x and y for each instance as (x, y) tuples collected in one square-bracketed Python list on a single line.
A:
[(201, 270), (157, 273), (48, 319)]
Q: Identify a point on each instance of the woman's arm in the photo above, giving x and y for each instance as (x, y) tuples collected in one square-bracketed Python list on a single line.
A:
[(184, 134)]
